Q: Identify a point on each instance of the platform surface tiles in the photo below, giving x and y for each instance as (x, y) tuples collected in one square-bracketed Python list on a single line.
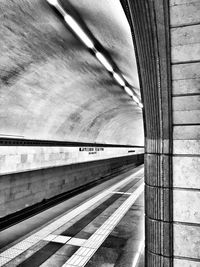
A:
[(100, 227)]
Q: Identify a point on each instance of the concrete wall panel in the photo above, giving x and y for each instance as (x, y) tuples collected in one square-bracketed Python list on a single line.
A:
[(186, 132), (186, 241), (184, 103), (191, 147), (185, 53), (189, 86), (186, 71), (185, 13), (185, 35), (181, 2), (186, 117), (186, 206), (185, 263), (185, 44), (186, 172)]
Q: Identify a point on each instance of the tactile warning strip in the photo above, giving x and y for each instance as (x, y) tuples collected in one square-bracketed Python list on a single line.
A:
[(121, 193), (83, 255), (65, 240)]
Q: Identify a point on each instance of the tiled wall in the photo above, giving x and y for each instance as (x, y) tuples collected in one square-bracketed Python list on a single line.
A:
[(21, 190), (25, 158), (185, 41)]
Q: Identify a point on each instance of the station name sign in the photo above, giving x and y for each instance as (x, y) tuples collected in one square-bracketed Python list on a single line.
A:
[(91, 149)]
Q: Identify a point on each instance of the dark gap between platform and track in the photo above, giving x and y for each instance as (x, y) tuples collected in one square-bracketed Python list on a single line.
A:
[(26, 213), (48, 250)]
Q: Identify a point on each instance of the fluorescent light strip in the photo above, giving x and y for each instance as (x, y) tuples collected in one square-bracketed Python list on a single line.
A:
[(136, 99), (118, 78), (57, 5), (71, 22), (104, 61), (53, 2), (128, 91), (133, 95), (77, 29), (140, 105)]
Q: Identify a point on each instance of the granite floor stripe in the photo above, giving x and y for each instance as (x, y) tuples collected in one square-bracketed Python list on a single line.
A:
[(57, 259), (78, 226), (85, 253), (42, 255), (81, 224)]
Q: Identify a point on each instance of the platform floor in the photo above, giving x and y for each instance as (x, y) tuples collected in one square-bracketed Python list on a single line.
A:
[(103, 226)]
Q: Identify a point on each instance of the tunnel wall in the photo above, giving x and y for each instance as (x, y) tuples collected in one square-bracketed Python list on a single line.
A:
[(21, 190), (26, 158), (185, 57)]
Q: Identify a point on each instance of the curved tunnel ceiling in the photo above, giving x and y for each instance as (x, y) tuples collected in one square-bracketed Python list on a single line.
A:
[(52, 88)]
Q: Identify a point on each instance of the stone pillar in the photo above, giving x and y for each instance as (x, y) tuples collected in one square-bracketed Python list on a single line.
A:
[(149, 20), (166, 36)]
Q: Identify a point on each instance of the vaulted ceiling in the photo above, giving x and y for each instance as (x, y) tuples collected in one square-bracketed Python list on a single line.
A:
[(52, 88)]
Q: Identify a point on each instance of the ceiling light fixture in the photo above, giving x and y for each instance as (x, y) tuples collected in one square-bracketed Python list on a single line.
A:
[(136, 99), (53, 2), (128, 91), (78, 31), (119, 79), (104, 61), (76, 28), (140, 105)]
